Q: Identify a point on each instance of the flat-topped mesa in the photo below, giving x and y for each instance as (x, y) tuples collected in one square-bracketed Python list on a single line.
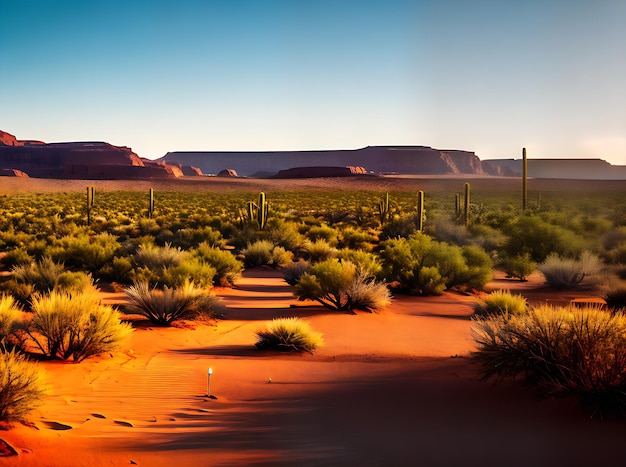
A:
[(77, 160), (377, 159)]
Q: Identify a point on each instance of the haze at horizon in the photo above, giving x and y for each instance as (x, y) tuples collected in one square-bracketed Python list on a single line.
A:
[(485, 76)]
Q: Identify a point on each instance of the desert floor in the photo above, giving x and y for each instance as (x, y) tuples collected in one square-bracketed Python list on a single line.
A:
[(388, 389)]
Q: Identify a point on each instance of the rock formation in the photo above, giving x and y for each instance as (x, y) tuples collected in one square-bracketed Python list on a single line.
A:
[(81, 160), (577, 169), (378, 159)]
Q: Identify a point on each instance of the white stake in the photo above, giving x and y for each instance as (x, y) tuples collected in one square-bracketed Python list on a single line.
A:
[(208, 385)]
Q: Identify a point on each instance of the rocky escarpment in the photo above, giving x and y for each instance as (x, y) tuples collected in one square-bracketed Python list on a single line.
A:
[(572, 169), (377, 159), (80, 160)]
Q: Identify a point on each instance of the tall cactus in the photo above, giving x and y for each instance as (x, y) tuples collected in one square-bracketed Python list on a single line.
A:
[(262, 211), (466, 207), (420, 210), (524, 179), (151, 204), (457, 204), (383, 209), (91, 194)]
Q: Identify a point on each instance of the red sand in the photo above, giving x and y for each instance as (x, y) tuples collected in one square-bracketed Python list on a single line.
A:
[(394, 388)]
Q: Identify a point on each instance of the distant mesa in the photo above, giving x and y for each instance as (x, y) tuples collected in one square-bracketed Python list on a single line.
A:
[(79, 160), (100, 160), (319, 172)]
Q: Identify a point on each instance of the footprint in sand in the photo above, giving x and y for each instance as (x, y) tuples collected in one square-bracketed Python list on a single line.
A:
[(57, 426), (97, 415), (123, 423)]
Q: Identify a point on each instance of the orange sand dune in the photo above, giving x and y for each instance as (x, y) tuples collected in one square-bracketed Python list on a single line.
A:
[(394, 388)]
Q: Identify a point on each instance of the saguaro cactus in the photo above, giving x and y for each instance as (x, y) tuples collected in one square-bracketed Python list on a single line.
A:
[(262, 211), (383, 209), (457, 204), (420, 210), (91, 194), (466, 207), (524, 179), (151, 204)]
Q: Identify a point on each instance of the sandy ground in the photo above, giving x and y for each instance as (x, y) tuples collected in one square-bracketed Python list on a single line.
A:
[(394, 388), (389, 389)]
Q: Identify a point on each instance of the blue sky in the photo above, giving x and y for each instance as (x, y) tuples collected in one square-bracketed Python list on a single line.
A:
[(482, 75)]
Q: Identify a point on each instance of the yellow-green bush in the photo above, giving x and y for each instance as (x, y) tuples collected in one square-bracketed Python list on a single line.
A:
[(288, 334), (21, 386)]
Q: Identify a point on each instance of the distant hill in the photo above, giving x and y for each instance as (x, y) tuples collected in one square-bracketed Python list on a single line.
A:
[(580, 169)]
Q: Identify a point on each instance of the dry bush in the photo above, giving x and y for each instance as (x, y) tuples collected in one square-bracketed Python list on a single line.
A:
[(288, 334), (562, 350), (77, 326), (569, 273), (162, 306), (21, 386)]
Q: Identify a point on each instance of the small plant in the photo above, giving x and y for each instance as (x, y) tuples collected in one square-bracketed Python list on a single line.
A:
[(501, 302), (319, 250), (164, 306), (288, 334), (21, 386), (75, 326), (568, 273), (227, 267), (10, 316)]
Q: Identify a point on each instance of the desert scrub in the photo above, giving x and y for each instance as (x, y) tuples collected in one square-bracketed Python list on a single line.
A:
[(366, 262), (10, 317), (227, 267), (569, 273), (75, 326), (293, 271), (501, 302), (265, 253), (615, 298), (518, 266), (339, 285), (21, 386), (562, 350), (288, 334), (357, 239), (318, 250), (162, 306), (85, 252)]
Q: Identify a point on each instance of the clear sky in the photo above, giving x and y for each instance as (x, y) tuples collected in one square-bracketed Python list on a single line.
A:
[(490, 76)]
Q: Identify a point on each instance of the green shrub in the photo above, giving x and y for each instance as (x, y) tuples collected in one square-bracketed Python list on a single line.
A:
[(568, 273), (322, 232), (402, 227), (356, 239), (169, 304), (15, 257), (562, 350), (46, 275), (288, 334), (501, 302), (293, 271), (284, 234), (86, 252), (423, 266), (319, 250), (366, 262), (192, 238), (227, 267), (265, 253), (120, 269), (339, 286), (75, 326), (21, 386), (518, 266), (156, 257)]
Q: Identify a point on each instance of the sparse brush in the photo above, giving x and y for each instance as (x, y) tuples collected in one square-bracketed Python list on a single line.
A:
[(21, 386), (562, 350), (616, 298), (501, 302), (265, 253), (164, 306), (227, 267), (293, 271), (318, 250), (568, 273), (43, 275), (288, 334), (10, 316), (155, 257), (75, 326), (368, 294)]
